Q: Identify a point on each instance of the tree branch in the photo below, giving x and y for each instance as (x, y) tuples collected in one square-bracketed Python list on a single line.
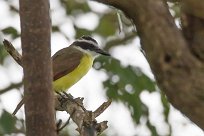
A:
[(85, 120), (114, 42), (12, 86), (178, 72), (13, 52)]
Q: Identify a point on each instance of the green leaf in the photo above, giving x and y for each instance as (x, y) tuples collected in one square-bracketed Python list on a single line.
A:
[(7, 123), (12, 31)]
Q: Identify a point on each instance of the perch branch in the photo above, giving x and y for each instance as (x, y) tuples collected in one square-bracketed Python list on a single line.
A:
[(85, 120)]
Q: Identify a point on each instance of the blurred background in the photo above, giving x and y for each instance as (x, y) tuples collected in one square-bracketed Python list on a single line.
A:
[(139, 108)]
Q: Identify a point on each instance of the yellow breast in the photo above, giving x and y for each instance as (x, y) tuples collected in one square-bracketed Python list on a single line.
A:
[(70, 79)]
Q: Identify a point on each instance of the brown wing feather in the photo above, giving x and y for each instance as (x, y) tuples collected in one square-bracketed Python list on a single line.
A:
[(65, 61)]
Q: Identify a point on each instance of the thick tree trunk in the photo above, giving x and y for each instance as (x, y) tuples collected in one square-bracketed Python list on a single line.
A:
[(39, 104), (178, 69)]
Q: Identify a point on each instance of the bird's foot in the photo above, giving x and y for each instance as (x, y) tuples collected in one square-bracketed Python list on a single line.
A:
[(65, 96)]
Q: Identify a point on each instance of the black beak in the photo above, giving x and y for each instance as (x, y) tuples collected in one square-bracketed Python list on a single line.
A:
[(102, 52)]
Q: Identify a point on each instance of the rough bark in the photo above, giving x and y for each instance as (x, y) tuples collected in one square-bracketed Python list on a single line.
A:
[(35, 38), (178, 71), (192, 20)]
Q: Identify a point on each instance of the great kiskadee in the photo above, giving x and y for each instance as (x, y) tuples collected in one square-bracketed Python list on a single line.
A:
[(70, 64)]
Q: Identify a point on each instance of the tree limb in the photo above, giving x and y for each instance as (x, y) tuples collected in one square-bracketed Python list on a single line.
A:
[(178, 72), (114, 42), (13, 52)]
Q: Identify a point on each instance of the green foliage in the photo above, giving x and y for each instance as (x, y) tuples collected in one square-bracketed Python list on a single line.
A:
[(11, 31), (126, 84), (7, 123), (74, 7)]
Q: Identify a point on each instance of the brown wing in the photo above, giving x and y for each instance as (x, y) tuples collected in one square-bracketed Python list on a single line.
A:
[(65, 61)]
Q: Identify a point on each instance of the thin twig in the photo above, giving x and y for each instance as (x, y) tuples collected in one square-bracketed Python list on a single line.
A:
[(20, 104), (102, 108), (18, 58), (66, 123), (13, 52)]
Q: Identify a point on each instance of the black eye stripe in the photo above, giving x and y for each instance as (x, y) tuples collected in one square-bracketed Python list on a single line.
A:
[(85, 45)]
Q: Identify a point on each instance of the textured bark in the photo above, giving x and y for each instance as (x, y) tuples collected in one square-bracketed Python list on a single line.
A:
[(192, 20), (178, 70), (39, 104), (194, 7)]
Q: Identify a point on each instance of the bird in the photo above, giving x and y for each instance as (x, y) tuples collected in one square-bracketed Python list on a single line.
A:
[(71, 63)]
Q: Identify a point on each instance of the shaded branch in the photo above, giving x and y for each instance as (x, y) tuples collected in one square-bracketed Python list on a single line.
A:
[(12, 86), (116, 41)]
